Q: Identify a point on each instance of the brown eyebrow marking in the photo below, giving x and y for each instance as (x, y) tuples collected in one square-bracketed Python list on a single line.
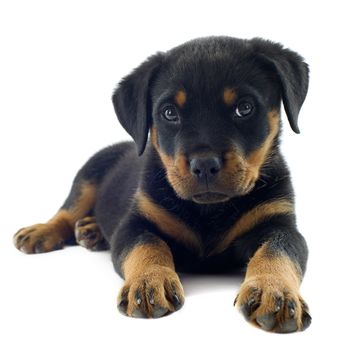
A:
[(180, 98), (229, 96)]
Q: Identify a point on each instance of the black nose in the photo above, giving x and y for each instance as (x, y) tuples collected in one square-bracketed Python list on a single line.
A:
[(205, 167)]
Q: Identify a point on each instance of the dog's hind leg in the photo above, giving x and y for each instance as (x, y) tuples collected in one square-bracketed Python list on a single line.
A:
[(59, 230), (80, 204)]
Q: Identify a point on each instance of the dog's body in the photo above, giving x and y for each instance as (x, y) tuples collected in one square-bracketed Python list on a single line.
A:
[(210, 190)]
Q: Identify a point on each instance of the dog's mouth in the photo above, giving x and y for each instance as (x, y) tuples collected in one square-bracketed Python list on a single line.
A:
[(210, 197)]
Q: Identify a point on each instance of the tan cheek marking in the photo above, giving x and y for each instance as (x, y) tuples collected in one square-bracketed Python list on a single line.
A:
[(167, 222), (177, 170), (247, 170), (257, 158), (234, 170), (168, 162), (233, 161), (180, 98), (182, 165), (251, 218), (229, 96), (154, 139)]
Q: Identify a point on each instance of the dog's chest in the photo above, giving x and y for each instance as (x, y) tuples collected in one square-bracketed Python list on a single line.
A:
[(209, 227)]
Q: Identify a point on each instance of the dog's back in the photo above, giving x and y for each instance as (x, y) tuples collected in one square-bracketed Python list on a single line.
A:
[(115, 194)]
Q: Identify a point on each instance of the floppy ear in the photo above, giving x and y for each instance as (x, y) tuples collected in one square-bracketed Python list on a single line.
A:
[(293, 74), (132, 102)]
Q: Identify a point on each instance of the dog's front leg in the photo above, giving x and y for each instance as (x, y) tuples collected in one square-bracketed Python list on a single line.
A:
[(152, 287), (269, 296)]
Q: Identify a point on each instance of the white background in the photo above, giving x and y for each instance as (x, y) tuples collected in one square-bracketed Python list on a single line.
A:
[(59, 62)]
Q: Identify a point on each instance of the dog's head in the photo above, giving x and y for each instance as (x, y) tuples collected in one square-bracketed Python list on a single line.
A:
[(213, 108)]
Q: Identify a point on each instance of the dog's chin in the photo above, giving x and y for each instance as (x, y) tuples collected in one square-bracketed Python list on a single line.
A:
[(210, 197)]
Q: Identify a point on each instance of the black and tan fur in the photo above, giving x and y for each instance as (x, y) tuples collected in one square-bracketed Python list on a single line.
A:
[(208, 192)]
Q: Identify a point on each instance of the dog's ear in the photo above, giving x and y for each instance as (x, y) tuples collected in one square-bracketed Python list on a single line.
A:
[(132, 100), (293, 74)]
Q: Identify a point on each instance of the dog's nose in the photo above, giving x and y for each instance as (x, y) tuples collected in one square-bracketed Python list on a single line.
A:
[(205, 167)]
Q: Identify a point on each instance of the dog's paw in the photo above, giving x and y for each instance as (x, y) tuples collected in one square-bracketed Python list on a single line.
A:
[(88, 234), (273, 305), (157, 292), (39, 238)]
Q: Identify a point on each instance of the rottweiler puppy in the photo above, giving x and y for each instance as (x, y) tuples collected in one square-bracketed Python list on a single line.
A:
[(207, 191)]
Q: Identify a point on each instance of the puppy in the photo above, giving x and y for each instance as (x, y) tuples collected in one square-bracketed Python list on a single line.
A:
[(208, 191)]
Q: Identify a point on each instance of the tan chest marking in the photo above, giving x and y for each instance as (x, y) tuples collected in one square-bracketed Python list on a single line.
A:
[(167, 222), (252, 218)]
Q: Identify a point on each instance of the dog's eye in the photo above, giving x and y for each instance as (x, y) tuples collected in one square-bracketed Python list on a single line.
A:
[(170, 114), (243, 109)]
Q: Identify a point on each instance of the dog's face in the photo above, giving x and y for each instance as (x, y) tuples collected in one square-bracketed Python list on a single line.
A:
[(213, 108)]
